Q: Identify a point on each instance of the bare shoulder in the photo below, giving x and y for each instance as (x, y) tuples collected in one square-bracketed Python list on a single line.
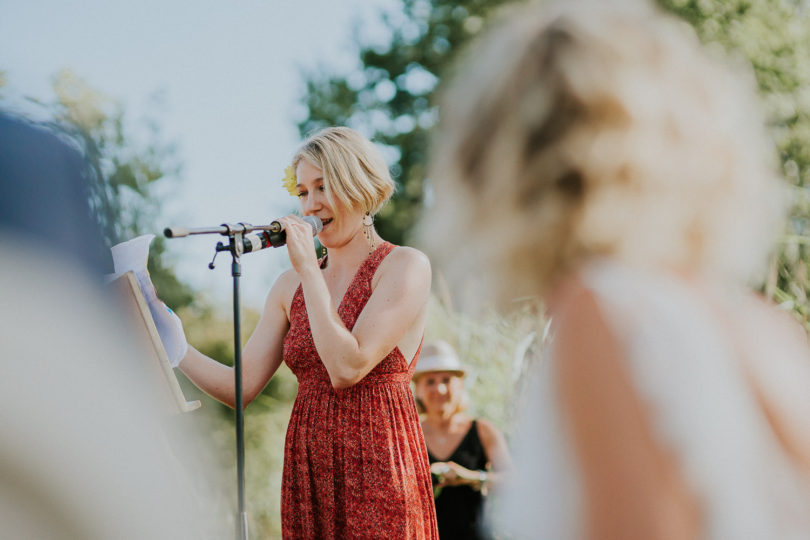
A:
[(405, 264), (282, 291), (404, 255)]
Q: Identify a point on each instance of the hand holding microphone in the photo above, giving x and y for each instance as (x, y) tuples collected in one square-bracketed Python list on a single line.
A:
[(299, 240), (276, 235)]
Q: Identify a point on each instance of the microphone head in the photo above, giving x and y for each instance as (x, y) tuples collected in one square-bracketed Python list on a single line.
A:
[(315, 221)]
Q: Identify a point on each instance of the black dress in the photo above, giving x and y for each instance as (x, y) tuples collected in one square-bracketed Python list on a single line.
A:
[(459, 508)]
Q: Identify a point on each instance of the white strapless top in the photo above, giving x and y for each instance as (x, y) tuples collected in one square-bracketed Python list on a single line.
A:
[(694, 386)]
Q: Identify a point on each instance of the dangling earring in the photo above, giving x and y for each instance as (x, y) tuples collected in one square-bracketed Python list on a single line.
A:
[(368, 221)]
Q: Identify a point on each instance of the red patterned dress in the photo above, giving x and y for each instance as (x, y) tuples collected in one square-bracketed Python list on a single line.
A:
[(355, 461)]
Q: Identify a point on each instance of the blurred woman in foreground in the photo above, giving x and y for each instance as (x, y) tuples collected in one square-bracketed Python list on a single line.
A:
[(602, 160), (467, 455)]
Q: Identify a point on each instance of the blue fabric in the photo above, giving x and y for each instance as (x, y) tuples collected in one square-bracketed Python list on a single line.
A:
[(44, 195)]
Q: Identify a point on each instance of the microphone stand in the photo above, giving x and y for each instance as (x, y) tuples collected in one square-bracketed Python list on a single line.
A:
[(235, 246)]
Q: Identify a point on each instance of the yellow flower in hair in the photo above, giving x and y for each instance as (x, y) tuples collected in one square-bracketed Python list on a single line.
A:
[(290, 181)]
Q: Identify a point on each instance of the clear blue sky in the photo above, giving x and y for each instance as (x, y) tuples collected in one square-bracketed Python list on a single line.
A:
[(229, 72)]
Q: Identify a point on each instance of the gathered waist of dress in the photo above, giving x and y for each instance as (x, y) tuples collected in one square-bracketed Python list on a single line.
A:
[(372, 379)]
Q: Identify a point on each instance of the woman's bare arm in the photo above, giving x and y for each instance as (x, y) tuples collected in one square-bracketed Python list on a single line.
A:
[(261, 355), (397, 304), (494, 444), (632, 488)]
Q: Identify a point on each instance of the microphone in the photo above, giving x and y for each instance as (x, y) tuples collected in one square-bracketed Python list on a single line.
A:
[(276, 236)]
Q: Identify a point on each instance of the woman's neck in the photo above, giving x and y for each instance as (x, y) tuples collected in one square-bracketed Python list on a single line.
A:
[(347, 258), (444, 421)]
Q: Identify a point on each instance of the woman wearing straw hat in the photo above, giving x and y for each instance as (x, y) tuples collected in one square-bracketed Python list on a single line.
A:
[(463, 450)]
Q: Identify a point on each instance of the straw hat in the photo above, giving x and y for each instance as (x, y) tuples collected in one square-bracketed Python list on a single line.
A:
[(438, 356)]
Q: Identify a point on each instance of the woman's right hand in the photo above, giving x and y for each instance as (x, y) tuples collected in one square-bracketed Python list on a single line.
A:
[(300, 243)]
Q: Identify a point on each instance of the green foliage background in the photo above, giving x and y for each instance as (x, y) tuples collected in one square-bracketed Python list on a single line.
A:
[(389, 98)]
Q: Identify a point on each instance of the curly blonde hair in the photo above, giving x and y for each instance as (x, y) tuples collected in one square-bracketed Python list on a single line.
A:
[(587, 129), (355, 174)]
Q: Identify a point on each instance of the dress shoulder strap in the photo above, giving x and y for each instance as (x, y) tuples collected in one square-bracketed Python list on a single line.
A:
[(370, 265), (415, 359)]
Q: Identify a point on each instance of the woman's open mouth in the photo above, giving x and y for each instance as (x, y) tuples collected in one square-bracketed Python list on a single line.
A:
[(326, 221)]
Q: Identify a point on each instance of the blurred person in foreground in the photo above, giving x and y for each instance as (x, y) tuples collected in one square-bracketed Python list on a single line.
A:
[(467, 455), (85, 451), (350, 327), (602, 160)]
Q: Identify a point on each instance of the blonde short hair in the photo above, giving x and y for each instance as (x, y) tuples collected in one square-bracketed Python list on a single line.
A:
[(587, 129), (355, 174)]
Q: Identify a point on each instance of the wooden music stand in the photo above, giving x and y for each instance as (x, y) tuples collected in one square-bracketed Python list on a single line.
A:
[(146, 332)]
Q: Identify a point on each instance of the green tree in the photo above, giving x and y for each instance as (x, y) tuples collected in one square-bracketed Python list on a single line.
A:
[(123, 167), (389, 99)]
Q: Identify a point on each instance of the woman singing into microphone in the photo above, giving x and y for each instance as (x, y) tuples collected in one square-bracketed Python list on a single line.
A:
[(350, 327)]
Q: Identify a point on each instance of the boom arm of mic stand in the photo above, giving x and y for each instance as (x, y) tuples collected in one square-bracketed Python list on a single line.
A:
[(180, 232), (226, 229)]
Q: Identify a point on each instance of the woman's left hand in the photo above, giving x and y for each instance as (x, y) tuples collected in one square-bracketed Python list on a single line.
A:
[(300, 243)]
